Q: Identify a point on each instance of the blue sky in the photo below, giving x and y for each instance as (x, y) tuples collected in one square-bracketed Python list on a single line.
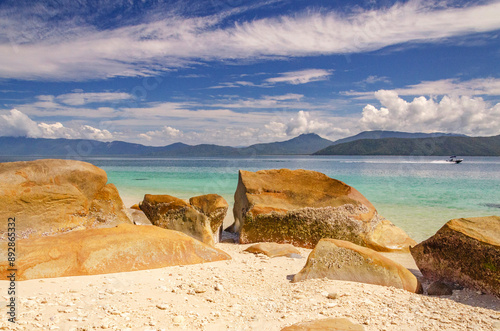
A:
[(236, 72)]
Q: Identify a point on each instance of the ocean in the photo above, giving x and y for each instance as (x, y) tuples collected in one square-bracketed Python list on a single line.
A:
[(418, 194)]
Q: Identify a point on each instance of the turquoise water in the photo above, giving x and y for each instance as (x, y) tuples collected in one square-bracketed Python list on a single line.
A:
[(418, 194)]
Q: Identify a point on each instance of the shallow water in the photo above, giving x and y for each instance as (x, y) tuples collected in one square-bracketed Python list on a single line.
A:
[(418, 194)]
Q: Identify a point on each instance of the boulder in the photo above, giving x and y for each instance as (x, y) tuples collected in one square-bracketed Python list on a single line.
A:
[(213, 206), (53, 196), (343, 260), (123, 248), (193, 219), (301, 207), (465, 251), (327, 324), (274, 250)]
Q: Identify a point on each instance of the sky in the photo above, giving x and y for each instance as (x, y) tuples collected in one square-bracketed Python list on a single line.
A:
[(237, 72)]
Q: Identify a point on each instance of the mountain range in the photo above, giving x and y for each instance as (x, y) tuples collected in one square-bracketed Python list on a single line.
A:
[(364, 143)]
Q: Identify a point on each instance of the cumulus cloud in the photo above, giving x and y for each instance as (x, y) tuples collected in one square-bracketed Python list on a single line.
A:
[(166, 133), (303, 122), (301, 76), (86, 52), (458, 114), (18, 124)]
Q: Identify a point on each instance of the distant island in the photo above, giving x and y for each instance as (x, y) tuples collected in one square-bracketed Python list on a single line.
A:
[(364, 143), (444, 145)]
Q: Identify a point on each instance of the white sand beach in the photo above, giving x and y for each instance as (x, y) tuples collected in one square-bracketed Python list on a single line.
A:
[(249, 292)]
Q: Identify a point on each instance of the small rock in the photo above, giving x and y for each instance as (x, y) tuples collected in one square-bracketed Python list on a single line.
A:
[(332, 295), (219, 287), (162, 306), (178, 320)]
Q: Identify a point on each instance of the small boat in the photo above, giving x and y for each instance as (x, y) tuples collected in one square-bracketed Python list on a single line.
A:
[(454, 159)]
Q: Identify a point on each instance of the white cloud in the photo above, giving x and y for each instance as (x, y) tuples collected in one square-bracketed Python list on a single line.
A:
[(17, 124), (457, 114), (473, 87), (71, 52), (79, 99), (301, 76), (303, 122), (165, 134)]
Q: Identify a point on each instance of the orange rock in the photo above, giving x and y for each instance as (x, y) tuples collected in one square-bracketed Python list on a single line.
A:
[(274, 249), (343, 260), (107, 250), (52, 196), (301, 207), (201, 218), (213, 206), (465, 251), (135, 206)]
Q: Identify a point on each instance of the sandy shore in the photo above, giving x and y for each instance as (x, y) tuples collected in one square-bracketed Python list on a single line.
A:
[(249, 292)]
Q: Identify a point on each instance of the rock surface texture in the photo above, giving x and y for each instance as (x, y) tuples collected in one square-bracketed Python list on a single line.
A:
[(274, 250), (48, 197), (326, 324), (123, 248), (343, 260), (301, 207), (464, 251), (200, 219)]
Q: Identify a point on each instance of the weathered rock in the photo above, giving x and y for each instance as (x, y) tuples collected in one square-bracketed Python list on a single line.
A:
[(53, 196), (330, 324), (465, 251), (138, 217), (123, 248), (108, 208), (343, 260), (192, 219), (438, 288), (213, 206), (301, 207), (274, 249)]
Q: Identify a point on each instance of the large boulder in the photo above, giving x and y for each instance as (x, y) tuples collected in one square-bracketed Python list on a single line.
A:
[(123, 248), (53, 196), (201, 218), (343, 260), (301, 207), (465, 251)]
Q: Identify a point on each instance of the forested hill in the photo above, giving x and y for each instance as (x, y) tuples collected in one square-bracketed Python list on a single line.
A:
[(444, 145)]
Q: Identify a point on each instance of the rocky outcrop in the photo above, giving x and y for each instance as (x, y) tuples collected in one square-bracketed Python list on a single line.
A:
[(343, 260), (274, 250), (327, 324), (200, 219), (465, 251), (301, 207), (123, 248), (53, 196)]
